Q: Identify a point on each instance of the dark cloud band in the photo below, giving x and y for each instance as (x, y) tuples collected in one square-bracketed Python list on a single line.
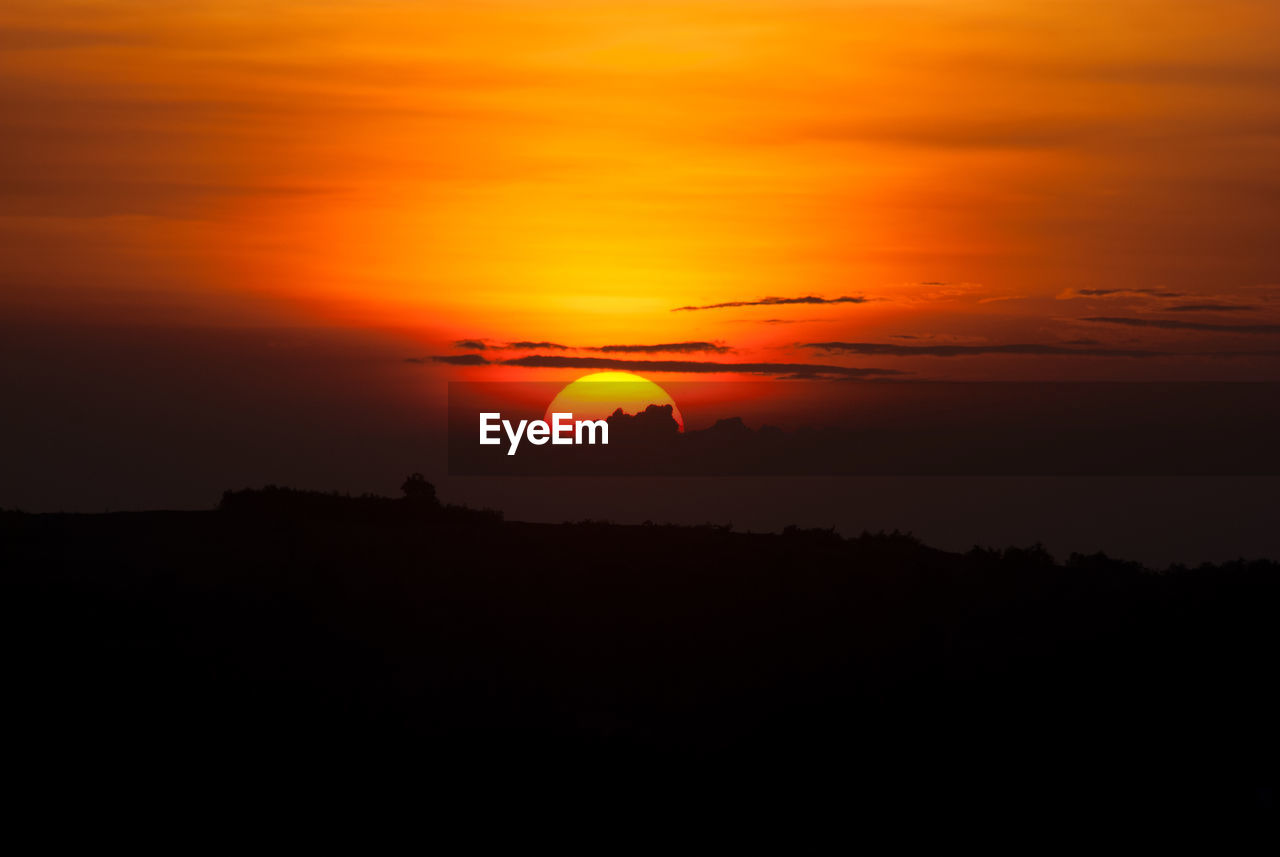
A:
[(527, 345), (451, 359), (668, 348), (1171, 324), (544, 361), (1154, 293), (771, 301), (659, 348), (1211, 308), (887, 349)]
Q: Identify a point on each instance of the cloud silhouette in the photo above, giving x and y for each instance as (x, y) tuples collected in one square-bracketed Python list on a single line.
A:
[(531, 345), (669, 347), (773, 301), (545, 361), (777, 320), (451, 359), (886, 349), (1102, 293), (1210, 308), (1170, 324), (526, 345)]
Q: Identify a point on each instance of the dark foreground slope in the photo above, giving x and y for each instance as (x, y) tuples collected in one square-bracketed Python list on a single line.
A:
[(305, 635)]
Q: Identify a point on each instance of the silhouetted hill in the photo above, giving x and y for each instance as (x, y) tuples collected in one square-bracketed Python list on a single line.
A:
[(779, 668)]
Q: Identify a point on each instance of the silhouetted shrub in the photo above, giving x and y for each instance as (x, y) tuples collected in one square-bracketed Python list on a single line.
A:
[(417, 489), (812, 535)]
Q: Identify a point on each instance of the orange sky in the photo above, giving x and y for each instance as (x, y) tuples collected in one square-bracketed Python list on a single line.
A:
[(571, 172)]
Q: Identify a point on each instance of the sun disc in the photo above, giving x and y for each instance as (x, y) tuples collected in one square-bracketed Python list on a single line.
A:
[(598, 395)]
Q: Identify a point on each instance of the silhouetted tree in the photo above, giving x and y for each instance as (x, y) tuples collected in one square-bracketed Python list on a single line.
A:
[(418, 489)]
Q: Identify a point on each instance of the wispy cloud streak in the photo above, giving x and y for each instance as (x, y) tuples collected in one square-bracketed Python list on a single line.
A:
[(545, 361), (667, 347), (1173, 324), (888, 349), (773, 301)]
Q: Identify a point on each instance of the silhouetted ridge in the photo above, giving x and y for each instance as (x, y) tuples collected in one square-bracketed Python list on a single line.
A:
[(304, 506), (338, 630)]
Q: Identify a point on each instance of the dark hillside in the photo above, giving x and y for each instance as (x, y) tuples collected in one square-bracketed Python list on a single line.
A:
[(345, 630)]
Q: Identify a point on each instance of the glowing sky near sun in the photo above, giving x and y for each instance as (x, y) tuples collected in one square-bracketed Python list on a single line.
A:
[(975, 174)]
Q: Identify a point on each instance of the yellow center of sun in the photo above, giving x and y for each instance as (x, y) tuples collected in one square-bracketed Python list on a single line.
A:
[(598, 395)]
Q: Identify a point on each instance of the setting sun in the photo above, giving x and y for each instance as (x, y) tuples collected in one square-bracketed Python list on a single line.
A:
[(596, 396), (341, 345)]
